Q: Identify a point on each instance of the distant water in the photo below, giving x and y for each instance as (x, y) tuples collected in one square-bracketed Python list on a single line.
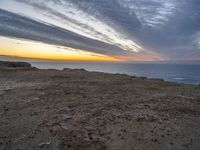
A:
[(189, 73)]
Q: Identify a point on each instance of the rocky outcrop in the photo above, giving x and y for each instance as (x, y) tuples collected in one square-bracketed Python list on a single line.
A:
[(73, 109), (14, 64)]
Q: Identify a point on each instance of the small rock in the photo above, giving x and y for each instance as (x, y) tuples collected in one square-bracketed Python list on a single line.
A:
[(154, 140), (36, 98), (66, 117), (63, 126), (44, 144)]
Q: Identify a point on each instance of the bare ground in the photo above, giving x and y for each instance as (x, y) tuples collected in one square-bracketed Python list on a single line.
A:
[(80, 110)]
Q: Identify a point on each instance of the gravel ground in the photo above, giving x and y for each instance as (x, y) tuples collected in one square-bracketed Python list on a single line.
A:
[(80, 110)]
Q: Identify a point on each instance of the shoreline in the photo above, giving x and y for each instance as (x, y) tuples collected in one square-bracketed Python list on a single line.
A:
[(32, 65), (172, 72), (82, 69), (74, 109)]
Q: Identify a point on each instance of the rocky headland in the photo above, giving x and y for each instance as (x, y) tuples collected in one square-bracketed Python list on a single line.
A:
[(73, 109)]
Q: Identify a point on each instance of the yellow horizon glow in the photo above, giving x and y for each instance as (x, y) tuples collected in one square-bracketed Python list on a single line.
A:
[(39, 50)]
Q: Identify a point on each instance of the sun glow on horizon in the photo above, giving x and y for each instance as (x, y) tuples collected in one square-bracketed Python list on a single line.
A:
[(39, 50)]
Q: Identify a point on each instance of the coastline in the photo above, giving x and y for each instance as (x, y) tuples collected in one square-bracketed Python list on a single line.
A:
[(79, 110), (180, 73)]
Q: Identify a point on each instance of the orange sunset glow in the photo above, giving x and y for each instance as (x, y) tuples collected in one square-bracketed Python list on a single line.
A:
[(39, 50)]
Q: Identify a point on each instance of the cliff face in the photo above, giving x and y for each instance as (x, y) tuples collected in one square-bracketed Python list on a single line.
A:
[(14, 64)]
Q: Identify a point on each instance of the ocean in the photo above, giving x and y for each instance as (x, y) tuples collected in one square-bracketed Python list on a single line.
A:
[(182, 73)]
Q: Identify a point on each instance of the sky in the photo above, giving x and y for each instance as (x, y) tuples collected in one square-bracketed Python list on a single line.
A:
[(100, 30)]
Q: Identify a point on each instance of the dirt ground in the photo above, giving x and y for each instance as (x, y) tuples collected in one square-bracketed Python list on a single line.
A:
[(80, 110)]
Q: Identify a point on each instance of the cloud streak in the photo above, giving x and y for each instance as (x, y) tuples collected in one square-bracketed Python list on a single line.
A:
[(17, 26), (75, 19)]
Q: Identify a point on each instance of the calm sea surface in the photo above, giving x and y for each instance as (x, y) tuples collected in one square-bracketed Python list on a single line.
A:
[(170, 72)]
